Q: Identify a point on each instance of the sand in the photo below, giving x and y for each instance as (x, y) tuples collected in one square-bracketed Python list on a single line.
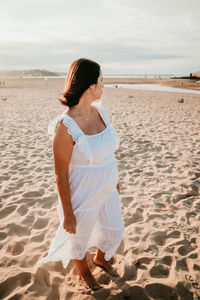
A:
[(159, 173)]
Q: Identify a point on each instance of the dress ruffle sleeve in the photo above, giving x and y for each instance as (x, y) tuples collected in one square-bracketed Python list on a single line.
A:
[(76, 133)]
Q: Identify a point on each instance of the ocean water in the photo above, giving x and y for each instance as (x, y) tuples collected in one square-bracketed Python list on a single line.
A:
[(155, 87)]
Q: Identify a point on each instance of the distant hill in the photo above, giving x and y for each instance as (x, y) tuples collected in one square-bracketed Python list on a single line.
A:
[(25, 73)]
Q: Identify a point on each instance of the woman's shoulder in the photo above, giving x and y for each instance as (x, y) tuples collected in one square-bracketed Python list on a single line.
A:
[(98, 103), (61, 134), (53, 124), (63, 126), (102, 110)]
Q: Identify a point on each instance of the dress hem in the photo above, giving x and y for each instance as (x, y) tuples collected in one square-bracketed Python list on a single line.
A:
[(46, 259)]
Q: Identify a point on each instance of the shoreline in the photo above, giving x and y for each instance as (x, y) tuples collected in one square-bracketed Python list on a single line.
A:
[(177, 83), (60, 82)]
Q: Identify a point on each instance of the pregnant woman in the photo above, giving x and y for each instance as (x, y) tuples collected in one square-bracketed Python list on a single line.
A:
[(83, 142)]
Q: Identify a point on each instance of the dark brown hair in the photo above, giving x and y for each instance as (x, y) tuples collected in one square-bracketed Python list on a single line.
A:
[(82, 73)]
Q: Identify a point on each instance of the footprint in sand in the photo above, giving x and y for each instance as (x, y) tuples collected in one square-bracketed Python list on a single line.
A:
[(40, 223), (159, 205), (193, 256), (166, 260), (184, 250), (33, 194), (14, 282), (175, 234), (15, 248), (41, 280), (133, 292), (4, 177), (145, 260), (133, 218), (169, 249), (159, 237), (160, 291), (152, 249), (22, 210), (181, 265), (190, 215), (142, 262), (135, 239), (38, 238), (129, 272), (196, 267), (28, 220), (126, 200), (137, 217), (159, 271), (7, 211), (18, 230), (3, 235)]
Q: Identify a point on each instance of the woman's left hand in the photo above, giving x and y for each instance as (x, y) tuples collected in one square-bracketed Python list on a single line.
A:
[(118, 188)]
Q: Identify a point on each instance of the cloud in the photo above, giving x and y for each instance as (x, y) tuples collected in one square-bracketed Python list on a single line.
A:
[(122, 35), (52, 53)]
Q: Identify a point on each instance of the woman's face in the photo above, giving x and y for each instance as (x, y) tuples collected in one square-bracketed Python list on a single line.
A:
[(99, 86)]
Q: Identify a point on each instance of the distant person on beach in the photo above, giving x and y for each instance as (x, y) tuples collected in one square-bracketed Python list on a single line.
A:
[(84, 141)]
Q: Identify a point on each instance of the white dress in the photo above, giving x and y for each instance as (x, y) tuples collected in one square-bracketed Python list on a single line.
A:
[(93, 176)]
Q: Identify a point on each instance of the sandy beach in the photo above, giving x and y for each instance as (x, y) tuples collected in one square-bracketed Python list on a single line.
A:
[(159, 172)]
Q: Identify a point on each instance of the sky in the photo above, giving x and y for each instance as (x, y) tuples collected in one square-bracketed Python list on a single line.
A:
[(123, 36)]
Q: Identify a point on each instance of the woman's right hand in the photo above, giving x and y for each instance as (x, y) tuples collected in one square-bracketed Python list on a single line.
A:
[(69, 223)]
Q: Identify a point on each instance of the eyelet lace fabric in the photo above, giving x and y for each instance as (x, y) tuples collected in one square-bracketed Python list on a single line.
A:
[(107, 247), (77, 135), (78, 251), (108, 240)]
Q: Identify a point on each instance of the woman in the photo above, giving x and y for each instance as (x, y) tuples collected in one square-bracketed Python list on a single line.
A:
[(86, 173)]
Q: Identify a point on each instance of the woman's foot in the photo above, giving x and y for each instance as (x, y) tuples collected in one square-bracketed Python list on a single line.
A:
[(112, 260), (90, 281), (86, 274), (105, 265)]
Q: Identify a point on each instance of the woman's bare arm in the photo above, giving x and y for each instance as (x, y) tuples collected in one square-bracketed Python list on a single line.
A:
[(118, 187), (62, 145)]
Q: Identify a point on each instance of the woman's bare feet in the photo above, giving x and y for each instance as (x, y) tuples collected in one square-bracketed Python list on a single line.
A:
[(86, 275), (100, 261), (90, 281), (112, 260)]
